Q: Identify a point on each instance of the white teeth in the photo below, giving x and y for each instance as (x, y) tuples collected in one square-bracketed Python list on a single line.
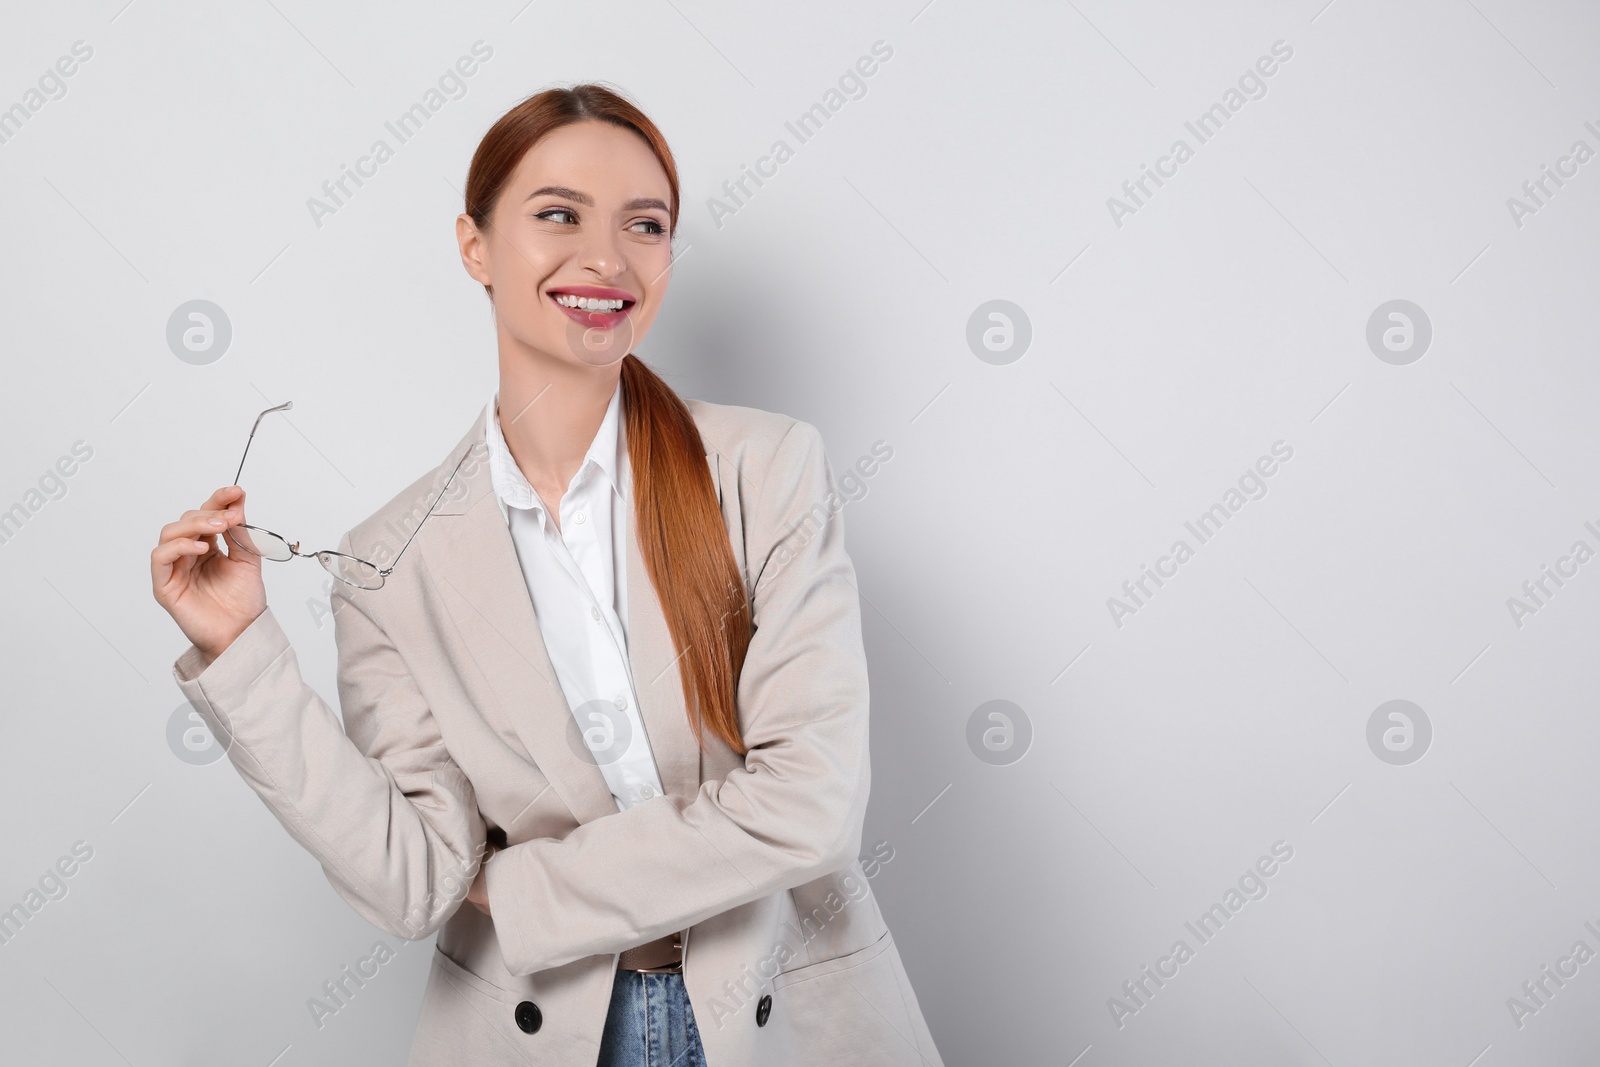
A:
[(587, 303)]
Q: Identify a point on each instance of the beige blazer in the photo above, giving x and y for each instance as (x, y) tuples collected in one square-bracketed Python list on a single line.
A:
[(456, 732)]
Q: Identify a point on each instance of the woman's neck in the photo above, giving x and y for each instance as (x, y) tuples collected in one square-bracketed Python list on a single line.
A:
[(549, 414)]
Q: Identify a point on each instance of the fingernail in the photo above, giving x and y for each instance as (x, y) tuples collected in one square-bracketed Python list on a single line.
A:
[(218, 522)]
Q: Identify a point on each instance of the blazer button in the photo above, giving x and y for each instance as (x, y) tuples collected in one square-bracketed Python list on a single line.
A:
[(529, 1017), (763, 1009)]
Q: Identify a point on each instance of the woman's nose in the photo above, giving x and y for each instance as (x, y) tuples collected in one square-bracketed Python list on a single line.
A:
[(602, 253)]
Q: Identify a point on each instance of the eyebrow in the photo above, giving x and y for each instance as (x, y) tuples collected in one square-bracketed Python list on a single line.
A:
[(587, 201)]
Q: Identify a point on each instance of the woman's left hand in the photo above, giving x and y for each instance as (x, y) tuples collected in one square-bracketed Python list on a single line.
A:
[(479, 893)]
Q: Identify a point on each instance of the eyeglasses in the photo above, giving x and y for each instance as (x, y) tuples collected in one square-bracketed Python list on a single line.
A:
[(349, 569)]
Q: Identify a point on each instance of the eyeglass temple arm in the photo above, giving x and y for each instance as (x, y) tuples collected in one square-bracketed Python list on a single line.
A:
[(390, 568), (285, 406)]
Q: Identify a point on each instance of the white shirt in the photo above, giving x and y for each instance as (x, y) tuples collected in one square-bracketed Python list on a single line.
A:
[(577, 578)]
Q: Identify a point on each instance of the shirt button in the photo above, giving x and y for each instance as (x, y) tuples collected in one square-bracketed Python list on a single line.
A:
[(578, 518), (594, 611), (621, 701), (646, 792)]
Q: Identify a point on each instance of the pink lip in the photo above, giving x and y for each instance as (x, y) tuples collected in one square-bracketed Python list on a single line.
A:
[(603, 320)]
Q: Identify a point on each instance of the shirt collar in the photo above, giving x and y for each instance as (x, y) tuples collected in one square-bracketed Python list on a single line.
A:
[(608, 451)]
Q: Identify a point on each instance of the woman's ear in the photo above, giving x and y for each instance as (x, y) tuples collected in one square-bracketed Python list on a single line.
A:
[(472, 244)]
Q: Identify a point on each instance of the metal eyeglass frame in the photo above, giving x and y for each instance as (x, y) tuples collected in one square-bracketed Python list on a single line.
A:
[(327, 556)]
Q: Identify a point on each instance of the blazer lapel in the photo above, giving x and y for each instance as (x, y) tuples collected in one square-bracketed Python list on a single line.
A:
[(657, 681), (472, 564)]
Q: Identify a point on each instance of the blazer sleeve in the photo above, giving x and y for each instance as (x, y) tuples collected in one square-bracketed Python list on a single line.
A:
[(378, 801), (791, 814)]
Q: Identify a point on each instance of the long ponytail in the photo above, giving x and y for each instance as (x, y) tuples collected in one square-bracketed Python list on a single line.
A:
[(685, 547)]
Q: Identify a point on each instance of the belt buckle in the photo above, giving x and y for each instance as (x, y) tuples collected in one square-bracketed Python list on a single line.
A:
[(675, 967)]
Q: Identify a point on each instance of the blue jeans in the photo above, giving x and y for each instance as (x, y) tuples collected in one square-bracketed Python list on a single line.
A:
[(650, 1023)]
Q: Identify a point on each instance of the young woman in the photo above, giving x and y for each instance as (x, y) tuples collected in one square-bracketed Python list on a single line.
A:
[(601, 672)]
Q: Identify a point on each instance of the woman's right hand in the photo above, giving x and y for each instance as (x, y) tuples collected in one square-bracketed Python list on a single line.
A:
[(213, 597)]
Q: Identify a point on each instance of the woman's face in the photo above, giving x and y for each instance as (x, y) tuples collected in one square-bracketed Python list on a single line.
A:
[(584, 215)]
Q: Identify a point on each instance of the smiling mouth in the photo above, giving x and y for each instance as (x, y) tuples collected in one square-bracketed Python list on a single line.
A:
[(591, 304)]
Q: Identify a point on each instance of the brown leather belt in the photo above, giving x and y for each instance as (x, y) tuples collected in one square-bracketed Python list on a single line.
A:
[(664, 955)]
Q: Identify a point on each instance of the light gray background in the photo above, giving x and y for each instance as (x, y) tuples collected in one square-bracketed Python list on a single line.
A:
[(1168, 353)]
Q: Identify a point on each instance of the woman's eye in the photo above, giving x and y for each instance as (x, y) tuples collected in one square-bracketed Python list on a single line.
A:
[(655, 227), (554, 211)]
